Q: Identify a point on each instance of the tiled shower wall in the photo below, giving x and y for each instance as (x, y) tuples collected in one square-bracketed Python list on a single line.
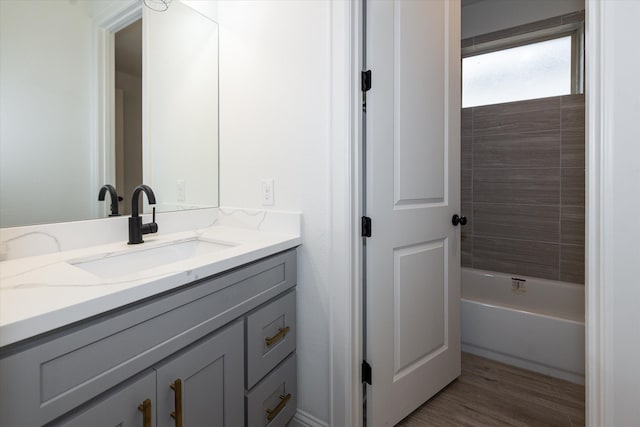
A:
[(523, 188)]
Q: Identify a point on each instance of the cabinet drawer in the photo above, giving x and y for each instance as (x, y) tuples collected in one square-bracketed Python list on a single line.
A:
[(271, 336), (274, 400)]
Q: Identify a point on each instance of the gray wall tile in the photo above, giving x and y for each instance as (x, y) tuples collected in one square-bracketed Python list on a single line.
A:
[(466, 209), (523, 179), (466, 121), (466, 250), (466, 152), (572, 263), (573, 111), (465, 196), (573, 134), (537, 259), (524, 222), (515, 150), (572, 187), (572, 148), (572, 225), (525, 186), (521, 117), (518, 107), (466, 179)]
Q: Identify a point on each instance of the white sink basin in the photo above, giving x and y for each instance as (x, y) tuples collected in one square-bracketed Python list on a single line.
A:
[(121, 264)]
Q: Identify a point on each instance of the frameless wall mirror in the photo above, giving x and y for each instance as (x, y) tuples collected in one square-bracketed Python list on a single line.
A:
[(58, 112)]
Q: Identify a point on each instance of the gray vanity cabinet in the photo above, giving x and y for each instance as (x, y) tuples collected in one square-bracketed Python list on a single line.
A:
[(202, 387), (113, 369)]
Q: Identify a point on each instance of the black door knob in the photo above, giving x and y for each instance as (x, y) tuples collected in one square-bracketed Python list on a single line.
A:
[(462, 220)]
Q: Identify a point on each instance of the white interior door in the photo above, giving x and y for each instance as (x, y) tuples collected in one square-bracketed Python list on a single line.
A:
[(412, 190)]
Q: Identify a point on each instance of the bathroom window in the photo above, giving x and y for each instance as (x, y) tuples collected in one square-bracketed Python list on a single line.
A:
[(514, 70)]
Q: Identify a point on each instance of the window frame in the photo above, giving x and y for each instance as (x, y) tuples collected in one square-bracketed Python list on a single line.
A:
[(575, 30)]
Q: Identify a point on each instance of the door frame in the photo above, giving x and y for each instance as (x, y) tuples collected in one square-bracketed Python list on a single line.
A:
[(599, 262), (113, 17), (345, 261)]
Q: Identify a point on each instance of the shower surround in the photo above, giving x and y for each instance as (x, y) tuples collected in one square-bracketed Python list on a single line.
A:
[(523, 188)]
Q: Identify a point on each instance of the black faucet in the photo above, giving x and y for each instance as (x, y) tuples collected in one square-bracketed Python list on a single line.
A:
[(136, 227), (114, 198)]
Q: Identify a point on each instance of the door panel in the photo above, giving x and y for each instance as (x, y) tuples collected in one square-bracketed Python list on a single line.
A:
[(418, 78), (419, 309), (412, 191)]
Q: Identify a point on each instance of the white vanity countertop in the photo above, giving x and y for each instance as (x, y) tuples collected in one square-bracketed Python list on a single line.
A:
[(41, 293)]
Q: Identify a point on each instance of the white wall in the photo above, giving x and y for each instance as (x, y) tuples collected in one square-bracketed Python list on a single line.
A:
[(492, 15), (275, 123), (45, 112)]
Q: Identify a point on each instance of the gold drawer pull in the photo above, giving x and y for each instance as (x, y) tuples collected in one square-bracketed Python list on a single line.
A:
[(277, 337), (272, 413), (145, 408), (176, 386)]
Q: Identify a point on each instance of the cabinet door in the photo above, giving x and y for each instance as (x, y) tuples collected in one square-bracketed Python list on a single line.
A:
[(203, 385), (127, 406)]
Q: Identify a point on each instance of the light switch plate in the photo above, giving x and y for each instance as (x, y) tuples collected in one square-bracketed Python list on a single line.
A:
[(181, 190)]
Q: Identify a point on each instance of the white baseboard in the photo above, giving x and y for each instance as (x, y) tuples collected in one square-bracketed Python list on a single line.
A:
[(303, 419)]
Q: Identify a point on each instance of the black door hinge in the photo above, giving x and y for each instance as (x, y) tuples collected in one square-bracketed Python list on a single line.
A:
[(366, 227), (366, 372), (365, 80)]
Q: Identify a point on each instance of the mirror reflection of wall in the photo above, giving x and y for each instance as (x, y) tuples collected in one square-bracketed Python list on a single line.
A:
[(45, 112), (52, 71), (181, 72), (128, 111)]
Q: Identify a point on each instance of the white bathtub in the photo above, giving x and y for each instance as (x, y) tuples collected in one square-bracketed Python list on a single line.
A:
[(532, 323)]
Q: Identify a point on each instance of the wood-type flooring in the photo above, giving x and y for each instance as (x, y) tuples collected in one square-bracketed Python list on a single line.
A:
[(489, 393)]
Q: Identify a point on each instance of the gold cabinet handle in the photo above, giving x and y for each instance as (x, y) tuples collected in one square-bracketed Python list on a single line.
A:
[(176, 386), (277, 337), (145, 408), (272, 413)]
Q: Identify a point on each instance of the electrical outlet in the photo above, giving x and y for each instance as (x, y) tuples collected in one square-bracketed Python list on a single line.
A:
[(181, 191), (267, 192)]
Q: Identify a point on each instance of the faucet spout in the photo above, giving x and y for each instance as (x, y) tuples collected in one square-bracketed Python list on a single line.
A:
[(113, 194), (134, 198), (136, 227)]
